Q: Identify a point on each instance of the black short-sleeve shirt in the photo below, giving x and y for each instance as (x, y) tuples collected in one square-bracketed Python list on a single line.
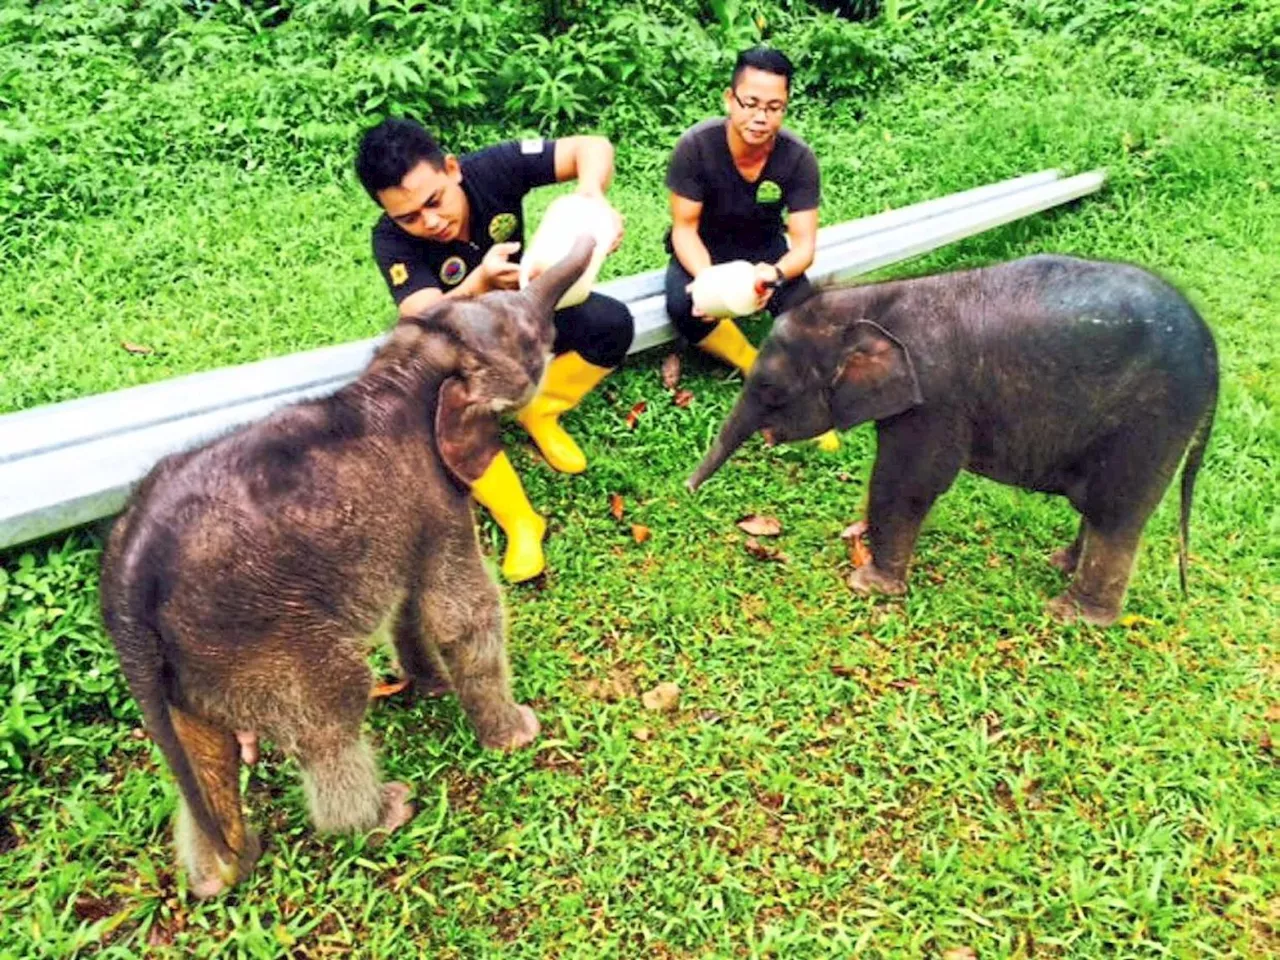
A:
[(495, 180), (737, 215)]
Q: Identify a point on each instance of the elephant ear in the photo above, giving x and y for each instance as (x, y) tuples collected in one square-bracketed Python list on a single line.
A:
[(466, 432), (874, 379)]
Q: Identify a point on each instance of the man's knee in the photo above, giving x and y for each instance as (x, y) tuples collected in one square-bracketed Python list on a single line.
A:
[(602, 331)]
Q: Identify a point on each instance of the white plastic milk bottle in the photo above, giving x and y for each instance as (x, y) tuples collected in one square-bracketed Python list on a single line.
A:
[(566, 219), (726, 290)]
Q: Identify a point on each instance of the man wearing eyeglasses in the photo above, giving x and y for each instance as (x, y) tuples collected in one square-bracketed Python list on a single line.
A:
[(730, 181)]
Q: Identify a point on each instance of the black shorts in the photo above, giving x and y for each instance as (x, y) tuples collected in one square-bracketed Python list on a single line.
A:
[(600, 329)]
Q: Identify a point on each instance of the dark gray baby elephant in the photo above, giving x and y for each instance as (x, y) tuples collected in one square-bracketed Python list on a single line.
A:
[(1050, 373), (244, 579)]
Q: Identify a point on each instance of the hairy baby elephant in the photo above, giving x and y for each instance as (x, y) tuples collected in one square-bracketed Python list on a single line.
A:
[(1051, 373), (245, 578)]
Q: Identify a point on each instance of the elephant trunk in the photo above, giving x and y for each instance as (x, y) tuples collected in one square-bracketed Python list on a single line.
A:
[(545, 291), (733, 434)]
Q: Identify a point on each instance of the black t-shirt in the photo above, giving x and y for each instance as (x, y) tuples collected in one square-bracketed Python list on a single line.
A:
[(739, 217), (495, 181)]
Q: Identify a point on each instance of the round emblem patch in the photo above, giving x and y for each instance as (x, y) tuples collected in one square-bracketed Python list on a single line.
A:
[(399, 274), (502, 226), (768, 192), (453, 270)]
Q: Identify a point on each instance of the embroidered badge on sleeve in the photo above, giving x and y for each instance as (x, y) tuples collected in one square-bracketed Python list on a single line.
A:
[(399, 273)]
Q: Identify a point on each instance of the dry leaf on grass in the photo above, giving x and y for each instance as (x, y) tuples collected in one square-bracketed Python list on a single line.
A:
[(388, 689), (643, 734), (683, 398), (136, 348), (1136, 620), (671, 371), (859, 553), (640, 533), (761, 552), (662, 698), (759, 526), (960, 953), (634, 415), (616, 505)]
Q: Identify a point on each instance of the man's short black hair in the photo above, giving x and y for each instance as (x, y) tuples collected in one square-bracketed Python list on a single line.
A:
[(766, 59), (390, 150)]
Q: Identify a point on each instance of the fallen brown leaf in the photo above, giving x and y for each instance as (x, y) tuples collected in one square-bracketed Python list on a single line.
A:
[(859, 553), (1273, 712), (683, 398), (634, 415), (389, 689), (643, 734), (960, 953), (136, 348), (616, 505), (671, 371), (640, 533), (761, 552), (759, 526), (138, 733), (663, 697)]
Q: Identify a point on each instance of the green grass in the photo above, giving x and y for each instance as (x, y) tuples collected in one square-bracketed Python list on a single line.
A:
[(842, 776)]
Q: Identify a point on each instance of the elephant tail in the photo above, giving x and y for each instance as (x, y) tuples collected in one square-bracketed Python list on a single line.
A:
[(131, 595), (1191, 467)]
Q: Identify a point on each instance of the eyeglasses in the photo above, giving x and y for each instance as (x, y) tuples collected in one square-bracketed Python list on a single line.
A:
[(773, 109)]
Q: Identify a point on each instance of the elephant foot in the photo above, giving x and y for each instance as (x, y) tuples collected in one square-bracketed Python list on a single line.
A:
[(220, 876), (525, 731), (432, 688), (396, 808), (1066, 559), (869, 579), (1066, 608)]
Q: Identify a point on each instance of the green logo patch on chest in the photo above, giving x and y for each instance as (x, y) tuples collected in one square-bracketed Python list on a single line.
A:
[(768, 192), (502, 226)]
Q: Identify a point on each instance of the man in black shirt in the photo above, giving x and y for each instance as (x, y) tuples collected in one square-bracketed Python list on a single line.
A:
[(730, 181), (452, 226)]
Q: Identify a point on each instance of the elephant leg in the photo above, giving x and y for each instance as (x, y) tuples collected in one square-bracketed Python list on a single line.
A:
[(418, 656), (1068, 558), (912, 469), (1101, 577), (1130, 472), (463, 618)]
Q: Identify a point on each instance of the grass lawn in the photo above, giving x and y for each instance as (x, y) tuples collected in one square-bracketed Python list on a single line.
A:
[(841, 776)]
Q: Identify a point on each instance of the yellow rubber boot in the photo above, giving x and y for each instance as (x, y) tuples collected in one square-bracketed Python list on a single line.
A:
[(828, 442), (499, 491), (727, 342), (569, 378)]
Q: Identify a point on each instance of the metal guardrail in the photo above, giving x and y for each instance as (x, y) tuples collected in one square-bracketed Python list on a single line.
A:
[(65, 464)]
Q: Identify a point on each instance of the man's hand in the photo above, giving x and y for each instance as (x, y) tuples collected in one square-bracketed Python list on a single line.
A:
[(768, 276), (499, 272), (618, 223)]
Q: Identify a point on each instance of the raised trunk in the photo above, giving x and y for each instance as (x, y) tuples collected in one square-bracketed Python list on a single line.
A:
[(545, 291)]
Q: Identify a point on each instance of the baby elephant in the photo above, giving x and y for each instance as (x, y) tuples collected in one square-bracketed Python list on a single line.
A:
[(1050, 373), (245, 578)]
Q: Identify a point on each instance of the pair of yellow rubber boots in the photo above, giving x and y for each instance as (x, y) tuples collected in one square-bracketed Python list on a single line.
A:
[(569, 378)]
